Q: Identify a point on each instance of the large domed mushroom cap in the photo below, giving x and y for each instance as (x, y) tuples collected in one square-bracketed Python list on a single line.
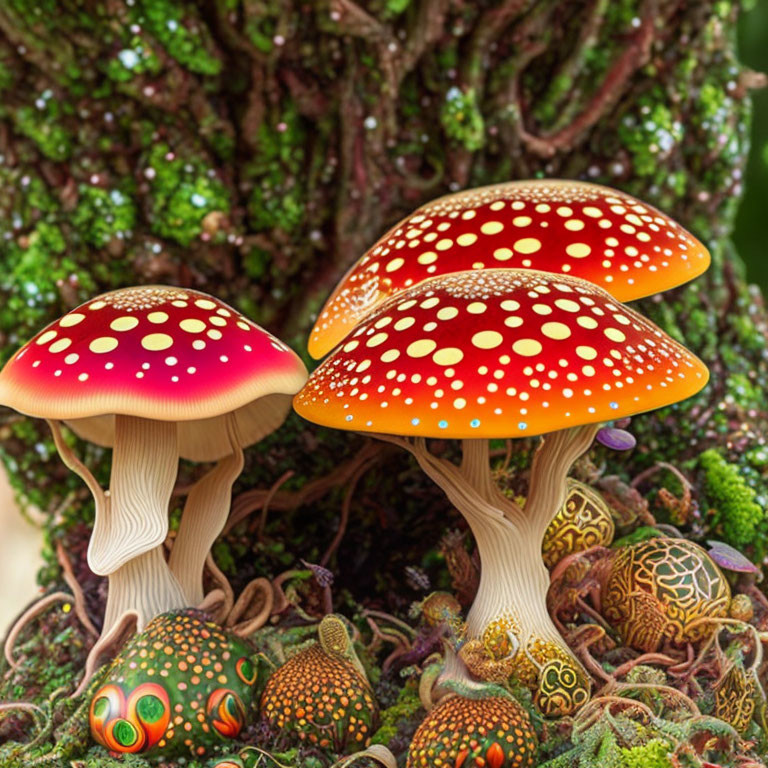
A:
[(586, 230), (161, 353), (498, 353)]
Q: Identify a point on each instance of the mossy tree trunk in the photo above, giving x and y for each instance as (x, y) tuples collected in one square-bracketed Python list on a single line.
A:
[(252, 148)]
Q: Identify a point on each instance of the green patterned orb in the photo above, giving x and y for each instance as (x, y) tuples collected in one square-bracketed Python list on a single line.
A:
[(183, 686)]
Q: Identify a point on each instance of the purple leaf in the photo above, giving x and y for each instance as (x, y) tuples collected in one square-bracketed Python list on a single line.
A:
[(616, 439), (730, 558)]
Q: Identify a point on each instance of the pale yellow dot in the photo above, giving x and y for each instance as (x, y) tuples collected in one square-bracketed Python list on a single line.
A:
[(205, 304), (390, 356), (587, 322), (527, 245), (73, 318), (586, 353), (492, 228), (543, 208), (406, 305), (103, 344), (192, 325), (588, 370), (350, 345), (46, 337), (556, 330), (614, 334), (459, 403), (527, 347), (179, 303), (223, 312), (444, 244), (421, 348), (216, 320), (510, 305), (243, 325), (364, 366), (429, 303), (395, 264), (448, 356), (60, 345), (487, 339), (567, 305), (503, 254), (159, 317), (521, 221), (404, 323), (430, 257), (213, 334), (71, 358), (592, 212), (447, 313), (377, 339), (476, 308), (468, 238), (513, 321), (578, 250), (124, 323), (574, 225), (542, 309), (97, 305), (564, 210), (156, 341), (467, 215), (83, 377), (198, 344)]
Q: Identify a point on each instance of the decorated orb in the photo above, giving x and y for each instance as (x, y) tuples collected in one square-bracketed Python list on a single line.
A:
[(183, 686), (664, 589), (492, 731), (735, 697), (584, 521), (322, 694)]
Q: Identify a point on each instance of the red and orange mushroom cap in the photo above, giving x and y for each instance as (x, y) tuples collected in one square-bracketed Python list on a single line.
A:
[(160, 353), (498, 353), (567, 227)]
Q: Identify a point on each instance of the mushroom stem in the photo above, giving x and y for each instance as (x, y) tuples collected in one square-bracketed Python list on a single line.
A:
[(132, 524), (205, 514)]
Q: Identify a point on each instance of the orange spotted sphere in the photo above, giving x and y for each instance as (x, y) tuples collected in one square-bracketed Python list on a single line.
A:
[(323, 699), (182, 686), (490, 732)]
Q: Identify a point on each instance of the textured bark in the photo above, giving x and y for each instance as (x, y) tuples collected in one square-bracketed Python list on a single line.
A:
[(253, 148)]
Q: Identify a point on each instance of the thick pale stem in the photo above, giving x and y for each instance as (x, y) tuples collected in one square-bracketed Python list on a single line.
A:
[(205, 514)]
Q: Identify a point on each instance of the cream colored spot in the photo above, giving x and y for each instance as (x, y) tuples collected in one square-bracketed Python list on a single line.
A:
[(429, 303), (103, 344), (421, 348), (543, 208), (72, 358), (124, 323), (97, 305), (614, 334), (60, 345), (364, 366), (444, 244), (492, 228), (564, 210), (542, 309), (390, 356), (556, 330), (205, 304), (510, 305), (587, 322), (459, 403), (395, 264), (574, 225), (46, 337), (448, 356), (468, 238), (521, 221), (447, 313), (567, 305), (171, 360), (83, 377), (404, 323), (578, 250), (588, 370), (198, 344), (178, 303), (487, 339), (527, 347), (216, 320), (155, 342), (223, 312), (503, 254), (73, 318), (350, 345), (377, 339), (243, 325), (592, 212), (513, 321), (406, 305), (430, 257), (586, 353), (157, 317), (476, 308), (467, 215), (192, 325), (528, 245), (213, 334)]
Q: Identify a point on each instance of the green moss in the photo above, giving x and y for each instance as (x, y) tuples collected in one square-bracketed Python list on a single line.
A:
[(462, 119), (40, 124), (654, 754), (405, 710), (104, 214), (736, 516), (136, 58)]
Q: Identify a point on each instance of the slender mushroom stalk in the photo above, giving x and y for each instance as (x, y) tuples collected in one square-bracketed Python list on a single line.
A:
[(156, 373), (497, 354), (599, 234)]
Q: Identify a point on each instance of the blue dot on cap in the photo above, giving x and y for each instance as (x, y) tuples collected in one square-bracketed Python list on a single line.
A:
[(474, 423), (415, 422), (442, 424), (522, 425), (614, 405), (349, 417)]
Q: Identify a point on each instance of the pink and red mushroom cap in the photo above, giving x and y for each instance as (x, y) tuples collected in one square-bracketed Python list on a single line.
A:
[(161, 353), (573, 228), (498, 353)]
